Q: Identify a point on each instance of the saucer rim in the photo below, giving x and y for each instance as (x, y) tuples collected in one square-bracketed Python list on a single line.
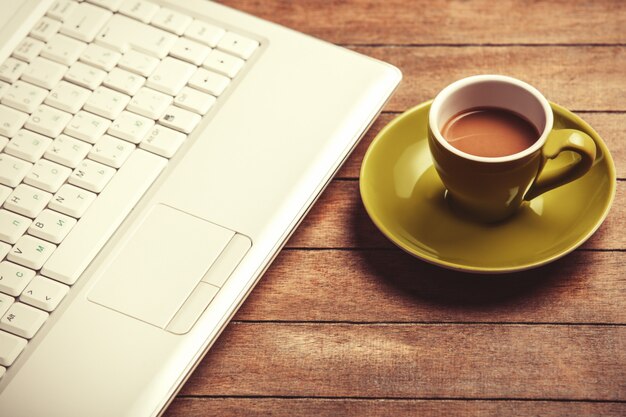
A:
[(416, 252)]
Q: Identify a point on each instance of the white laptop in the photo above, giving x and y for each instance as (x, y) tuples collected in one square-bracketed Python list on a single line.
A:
[(154, 158)]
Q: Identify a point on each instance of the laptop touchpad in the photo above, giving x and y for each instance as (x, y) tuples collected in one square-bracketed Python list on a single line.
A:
[(158, 267)]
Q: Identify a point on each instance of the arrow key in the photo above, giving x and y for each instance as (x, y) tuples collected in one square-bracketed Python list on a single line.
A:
[(44, 293)]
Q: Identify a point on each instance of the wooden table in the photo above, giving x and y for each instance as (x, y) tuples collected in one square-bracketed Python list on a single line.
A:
[(345, 324)]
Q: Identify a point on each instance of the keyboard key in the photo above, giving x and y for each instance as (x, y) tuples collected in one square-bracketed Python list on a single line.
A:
[(170, 76), (85, 22), (131, 127), (238, 45), (63, 49), (103, 218), (122, 33), (138, 63), (28, 145), (91, 175), (67, 97), (27, 201), (205, 33), (48, 121), (67, 151), (149, 103), (71, 200), (171, 21), (12, 226), (44, 73), (51, 226), (163, 141), (139, 9), (3, 142), (4, 87), (106, 102), (11, 121), (180, 119), (4, 250), (190, 51), (5, 303), (100, 57), (28, 49), (124, 81), (61, 9), (31, 252), (209, 82), (112, 5), (2, 371), (44, 293), (24, 96), (11, 69), (194, 100), (14, 278), (111, 151), (87, 126), (4, 194), (45, 29), (12, 170), (85, 75), (10, 348), (47, 175), (223, 63), (23, 320)]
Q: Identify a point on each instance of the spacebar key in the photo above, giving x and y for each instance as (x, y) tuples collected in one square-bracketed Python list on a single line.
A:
[(103, 217)]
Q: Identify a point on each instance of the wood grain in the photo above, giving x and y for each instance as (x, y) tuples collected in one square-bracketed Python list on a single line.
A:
[(390, 286), (322, 407), (451, 22), (339, 220), (610, 126), (415, 361), (577, 77)]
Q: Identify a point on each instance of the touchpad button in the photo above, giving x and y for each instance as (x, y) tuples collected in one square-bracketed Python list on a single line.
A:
[(158, 267)]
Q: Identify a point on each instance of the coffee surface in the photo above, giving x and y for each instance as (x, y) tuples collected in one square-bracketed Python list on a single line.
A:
[(489, 132)]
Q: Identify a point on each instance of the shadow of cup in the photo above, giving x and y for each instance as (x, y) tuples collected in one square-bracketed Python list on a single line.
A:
[(425, 282)]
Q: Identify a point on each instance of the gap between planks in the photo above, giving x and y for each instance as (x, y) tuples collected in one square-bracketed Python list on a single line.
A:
[(393, 248), (467, 45), (361, 398), (420, 323)]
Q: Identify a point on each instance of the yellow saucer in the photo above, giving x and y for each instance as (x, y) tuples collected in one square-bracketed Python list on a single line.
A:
[(404, 197)]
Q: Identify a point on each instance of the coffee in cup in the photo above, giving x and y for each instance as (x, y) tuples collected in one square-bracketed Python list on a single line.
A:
[(490, 132)]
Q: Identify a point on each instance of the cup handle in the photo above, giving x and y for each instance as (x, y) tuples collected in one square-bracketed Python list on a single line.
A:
[(559, 141)]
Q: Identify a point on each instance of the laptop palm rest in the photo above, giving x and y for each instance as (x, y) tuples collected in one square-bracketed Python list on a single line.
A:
[(162, 264)]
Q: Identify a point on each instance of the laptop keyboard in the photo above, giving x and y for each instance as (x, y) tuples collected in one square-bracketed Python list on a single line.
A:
[(93, 103)]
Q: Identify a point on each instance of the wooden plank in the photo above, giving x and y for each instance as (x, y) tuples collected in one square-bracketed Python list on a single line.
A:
[(610, 126), (416, 361), (450, 22), (389, 286), (323, 407), (338, 220), (577, 77)]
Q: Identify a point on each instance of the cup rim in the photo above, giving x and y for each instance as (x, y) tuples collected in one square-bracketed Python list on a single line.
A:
[(464, 82)]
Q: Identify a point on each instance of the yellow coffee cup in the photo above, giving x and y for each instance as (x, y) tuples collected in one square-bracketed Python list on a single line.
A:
[(491, 189)]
